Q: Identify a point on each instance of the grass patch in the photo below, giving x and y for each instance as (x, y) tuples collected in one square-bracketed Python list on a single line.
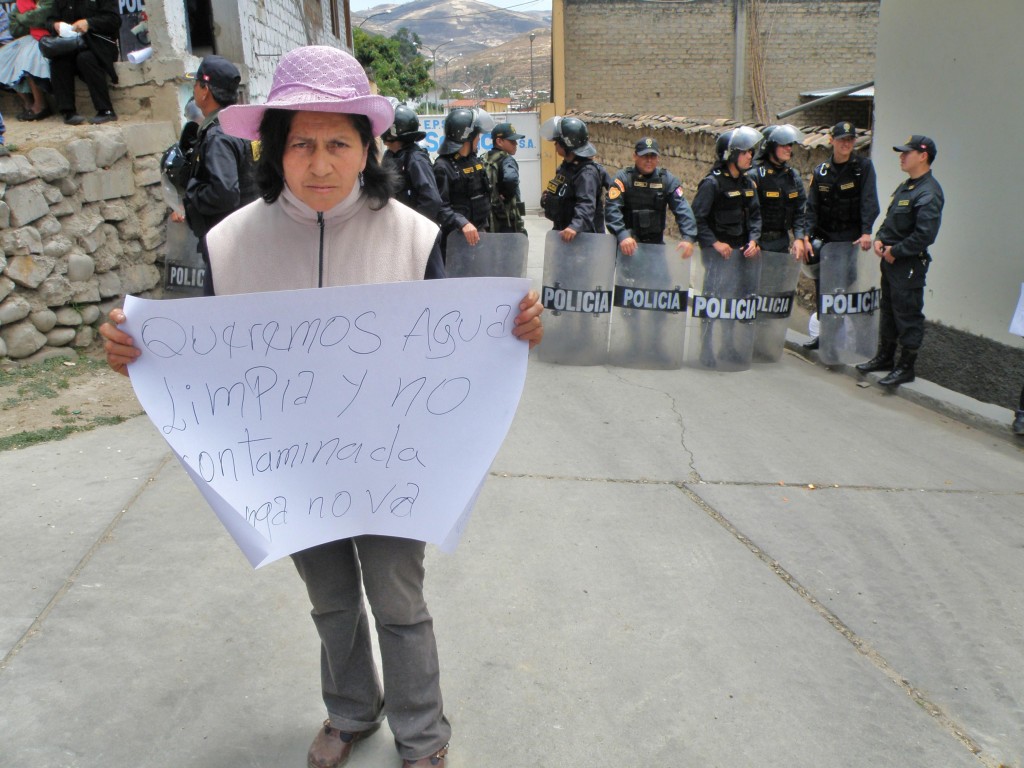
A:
[(26, 439)]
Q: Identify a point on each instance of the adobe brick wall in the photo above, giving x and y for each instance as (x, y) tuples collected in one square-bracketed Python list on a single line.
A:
[(685, 64)]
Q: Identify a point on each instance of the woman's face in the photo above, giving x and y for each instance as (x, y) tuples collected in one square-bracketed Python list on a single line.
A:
[(322, 158)]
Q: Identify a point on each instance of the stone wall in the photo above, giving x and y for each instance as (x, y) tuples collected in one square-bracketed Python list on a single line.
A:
[(677, 58), (81, 225)]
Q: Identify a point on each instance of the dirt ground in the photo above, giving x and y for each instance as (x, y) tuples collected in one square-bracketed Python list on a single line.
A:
[(59, 397)]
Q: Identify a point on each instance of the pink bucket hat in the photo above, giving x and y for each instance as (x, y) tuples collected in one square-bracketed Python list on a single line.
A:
[(314, 78)]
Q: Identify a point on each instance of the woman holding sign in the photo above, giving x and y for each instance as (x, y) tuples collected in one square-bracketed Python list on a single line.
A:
[(325, 219)]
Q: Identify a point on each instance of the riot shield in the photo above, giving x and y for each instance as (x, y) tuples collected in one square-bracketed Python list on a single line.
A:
[(776, 292), (577, 298), (184, 269), (723, 307), (496, 255), (649, 308), (847, 304)]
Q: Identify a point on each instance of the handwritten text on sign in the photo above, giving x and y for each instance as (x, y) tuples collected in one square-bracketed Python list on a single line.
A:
[(309, 416)]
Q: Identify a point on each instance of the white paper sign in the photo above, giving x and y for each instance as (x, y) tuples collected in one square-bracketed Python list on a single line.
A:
[(309, 416), (1017, 324)]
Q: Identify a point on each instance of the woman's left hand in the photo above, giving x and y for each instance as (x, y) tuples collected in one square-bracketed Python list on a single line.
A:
[(528, 325)]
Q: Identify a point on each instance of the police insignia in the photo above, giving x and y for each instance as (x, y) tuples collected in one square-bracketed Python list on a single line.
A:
[(679, 192), (613, 192)]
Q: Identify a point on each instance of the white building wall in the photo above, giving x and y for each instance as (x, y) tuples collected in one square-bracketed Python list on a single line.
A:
[(951, 70), (273, 27)]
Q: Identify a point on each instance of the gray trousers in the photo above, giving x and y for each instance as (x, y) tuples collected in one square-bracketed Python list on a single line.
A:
[(391, 571)]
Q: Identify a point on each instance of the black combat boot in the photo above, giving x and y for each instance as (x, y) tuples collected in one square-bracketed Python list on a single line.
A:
[(1018, 423), (883, 360), (903, 373)]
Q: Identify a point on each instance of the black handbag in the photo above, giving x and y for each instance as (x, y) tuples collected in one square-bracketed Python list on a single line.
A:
[(53, 47)]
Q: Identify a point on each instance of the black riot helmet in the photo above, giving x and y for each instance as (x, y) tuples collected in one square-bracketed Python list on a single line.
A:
[(174, 165), (732, 142), (406, 126), (570, 133), (780, 136), (461, 125)]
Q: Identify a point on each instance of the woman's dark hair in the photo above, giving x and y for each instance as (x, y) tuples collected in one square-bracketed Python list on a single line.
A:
[(380, 182)]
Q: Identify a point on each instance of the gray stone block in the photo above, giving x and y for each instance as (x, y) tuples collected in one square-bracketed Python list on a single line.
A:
[(116, 181), (84, 337), (48, 226), (52, 194), (110, 285), (81, 155), (137, 278), (85, 293), (148, 138), (14, 308), (90, 314), (5, 215), (21, 242), (61, 337), (50, 353), (22, 339), (80, 267), (115, 210), (88, 220), (6, 286), (49, 163), (110, 147), (30, 271), (147, 171), (55, 291), (27, 203), (67, 316), (45, 320), (16, 169), (57, 246)]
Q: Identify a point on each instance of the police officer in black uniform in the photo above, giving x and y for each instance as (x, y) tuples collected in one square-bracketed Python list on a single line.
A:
[(780, 192), (911, 224), (460, 176), (842, 201), (728, 217), (419, 189), (574, 199), (638, 198)]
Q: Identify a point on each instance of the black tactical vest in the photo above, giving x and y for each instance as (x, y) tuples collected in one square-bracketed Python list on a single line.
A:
[(838, 193), (643, 205), (469, 192), (729, 215), (559, 200), (778, 195)]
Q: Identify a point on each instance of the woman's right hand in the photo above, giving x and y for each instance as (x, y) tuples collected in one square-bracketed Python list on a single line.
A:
[(120, 347)]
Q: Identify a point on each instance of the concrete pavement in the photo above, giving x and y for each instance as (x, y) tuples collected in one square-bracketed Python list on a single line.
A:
[(649, 579)]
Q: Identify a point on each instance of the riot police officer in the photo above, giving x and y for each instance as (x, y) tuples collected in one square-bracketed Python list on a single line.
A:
[(574, 199), (780, 192), (911, 224), (419, 189), (729, 217), (638, 198), (460, 175), (842, 202)]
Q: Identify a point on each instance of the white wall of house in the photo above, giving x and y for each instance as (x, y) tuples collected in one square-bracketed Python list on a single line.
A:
[(951, 70)]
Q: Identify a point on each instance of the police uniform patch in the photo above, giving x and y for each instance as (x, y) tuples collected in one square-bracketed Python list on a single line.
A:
[(903, 202), (679, 192), (614, 192), (794, 194), (772, 194), (848, 185)]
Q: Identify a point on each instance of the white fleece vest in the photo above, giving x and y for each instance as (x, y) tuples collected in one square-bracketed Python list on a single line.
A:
[(276, 247)]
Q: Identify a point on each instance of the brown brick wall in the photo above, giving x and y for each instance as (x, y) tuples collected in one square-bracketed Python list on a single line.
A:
[(631, 56)]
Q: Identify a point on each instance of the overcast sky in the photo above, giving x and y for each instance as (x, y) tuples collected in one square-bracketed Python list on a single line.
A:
[(358, 6)]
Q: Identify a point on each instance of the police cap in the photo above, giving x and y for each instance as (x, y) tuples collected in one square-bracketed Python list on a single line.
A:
[(843, 130), (505, 131), (920, 144), (647, 146)]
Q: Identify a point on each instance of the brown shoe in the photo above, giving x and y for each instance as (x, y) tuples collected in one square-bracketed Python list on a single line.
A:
[(331, 748), (435, 760)]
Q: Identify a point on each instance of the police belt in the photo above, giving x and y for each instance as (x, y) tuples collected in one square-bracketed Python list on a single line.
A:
[(775, 235)]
